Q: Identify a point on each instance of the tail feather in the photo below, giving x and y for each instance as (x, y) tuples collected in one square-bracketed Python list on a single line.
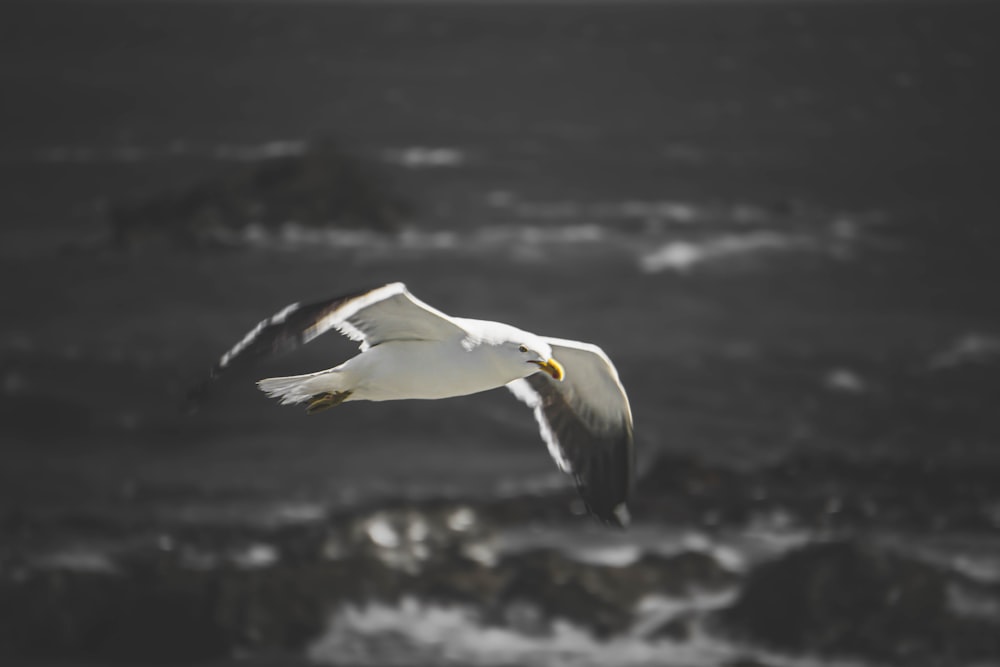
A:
[(298, 388)]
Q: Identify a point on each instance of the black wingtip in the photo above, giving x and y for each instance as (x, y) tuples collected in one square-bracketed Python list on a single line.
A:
[(605, 483), (617, 515)]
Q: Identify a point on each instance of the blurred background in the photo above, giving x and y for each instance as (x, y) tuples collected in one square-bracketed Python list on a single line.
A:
[(778, 218)]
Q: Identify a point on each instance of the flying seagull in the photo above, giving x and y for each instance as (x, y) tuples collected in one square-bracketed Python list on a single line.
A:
[(410, 350)]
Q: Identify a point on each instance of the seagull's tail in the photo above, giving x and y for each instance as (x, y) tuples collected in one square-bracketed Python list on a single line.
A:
[(300, 388)]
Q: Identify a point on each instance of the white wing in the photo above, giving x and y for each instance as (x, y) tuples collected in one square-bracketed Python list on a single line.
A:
[(370, 317), (587, 424)]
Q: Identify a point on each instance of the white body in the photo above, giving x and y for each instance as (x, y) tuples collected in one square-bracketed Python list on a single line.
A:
[(421, 370), (417, 369)]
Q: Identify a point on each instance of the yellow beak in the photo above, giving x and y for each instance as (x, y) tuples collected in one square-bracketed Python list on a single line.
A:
[(552, 367)]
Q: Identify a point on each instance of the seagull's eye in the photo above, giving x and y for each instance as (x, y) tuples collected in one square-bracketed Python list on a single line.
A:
[(523, 348)]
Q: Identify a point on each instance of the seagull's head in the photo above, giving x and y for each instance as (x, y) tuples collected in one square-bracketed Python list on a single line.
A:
[(533, 350)]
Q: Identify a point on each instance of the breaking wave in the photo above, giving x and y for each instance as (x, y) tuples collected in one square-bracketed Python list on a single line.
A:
[(972, 348), (176, 149), (421, 157), (414, 632), (682, 256), (653, 249), (411, 157)]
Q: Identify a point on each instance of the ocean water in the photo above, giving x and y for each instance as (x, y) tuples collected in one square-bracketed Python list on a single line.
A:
[(776, 217), (854, 106)]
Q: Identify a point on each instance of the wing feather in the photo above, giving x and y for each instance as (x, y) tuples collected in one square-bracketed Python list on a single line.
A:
[(370, 317), (586, 422)]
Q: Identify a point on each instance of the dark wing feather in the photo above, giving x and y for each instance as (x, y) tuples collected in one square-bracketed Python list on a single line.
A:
[(586, 423), (283, 332)]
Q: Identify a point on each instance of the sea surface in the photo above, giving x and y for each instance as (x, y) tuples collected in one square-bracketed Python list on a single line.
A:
[(778, 218)]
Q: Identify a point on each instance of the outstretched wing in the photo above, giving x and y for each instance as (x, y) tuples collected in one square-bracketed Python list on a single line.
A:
[(587, 424), (370, 317)]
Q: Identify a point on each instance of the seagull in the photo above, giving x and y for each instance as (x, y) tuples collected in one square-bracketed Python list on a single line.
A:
[(410, 350)]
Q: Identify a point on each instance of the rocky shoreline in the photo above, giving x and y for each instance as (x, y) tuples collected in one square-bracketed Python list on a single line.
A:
[(177, 592)]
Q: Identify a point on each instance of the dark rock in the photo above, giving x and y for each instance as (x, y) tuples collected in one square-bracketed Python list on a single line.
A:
[(151, 605), (322, 187), (157, 611), (679, 628), (679, 574), (681, 489), (107, 617), (564, 588), (843, 598), (458, 579)]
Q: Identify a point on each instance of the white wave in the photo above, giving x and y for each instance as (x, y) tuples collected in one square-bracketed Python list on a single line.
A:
[(424, 157), (542, 235), (973, 603), (293, 513), (406, 538), (412, 157), (680, 212), (88, 155), (431, 240), (175, 149), (974, 556), (682, 256), (461, 519), (981, 567), (264, 151), (845, 380), (264, 514), (255, 556), (653, 611), (78, 559), (292, 235), (737, 551), (413, 632), (651, 211), (972, 348)]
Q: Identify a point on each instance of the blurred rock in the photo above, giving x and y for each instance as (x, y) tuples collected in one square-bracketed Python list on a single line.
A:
[(679, 628), (823, 490), (105, 617), (187, 593), (586, 595), (155, 608), (323, 187), (845, 599)]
